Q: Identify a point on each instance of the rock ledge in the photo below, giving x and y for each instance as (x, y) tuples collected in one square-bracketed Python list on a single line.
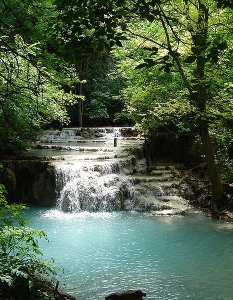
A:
[(127, 295)]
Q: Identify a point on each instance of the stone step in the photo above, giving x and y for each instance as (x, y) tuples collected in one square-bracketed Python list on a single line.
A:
[(151, 178), (155, 191), (74, 148), (165, 205), (165, 166), (160, 172), (161, 167)]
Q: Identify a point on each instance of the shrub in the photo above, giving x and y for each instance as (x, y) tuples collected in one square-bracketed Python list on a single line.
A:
[(23, 273)]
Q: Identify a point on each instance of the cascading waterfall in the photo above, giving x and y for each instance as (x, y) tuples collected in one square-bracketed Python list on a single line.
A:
[(96, 182), (98, 253), (93, 188), (102, 177)]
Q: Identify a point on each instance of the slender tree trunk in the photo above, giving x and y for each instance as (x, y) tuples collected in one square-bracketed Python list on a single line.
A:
[(81, 75), (216, 186), (80, 107)]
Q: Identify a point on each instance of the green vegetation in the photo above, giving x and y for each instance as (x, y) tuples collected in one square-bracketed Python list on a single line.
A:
[(188, 40), (32, 78), (22, 270), (165, 66), (102, 89)]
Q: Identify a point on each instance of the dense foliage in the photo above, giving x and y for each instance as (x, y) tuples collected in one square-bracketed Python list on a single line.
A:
[(102, 90), (29, 96), (32, 78), (22, 270), (164, 65), (167, 87), (189, 39)]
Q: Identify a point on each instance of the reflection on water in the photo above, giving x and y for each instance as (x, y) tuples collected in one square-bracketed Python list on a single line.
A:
[(169, 258)]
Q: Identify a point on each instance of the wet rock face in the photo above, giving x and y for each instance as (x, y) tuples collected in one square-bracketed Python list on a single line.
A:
[(128, 295), (96, 178), (28, 181)]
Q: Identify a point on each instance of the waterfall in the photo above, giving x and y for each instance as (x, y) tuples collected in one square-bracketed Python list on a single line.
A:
[(101, 177), (92, 188), (73, 134)]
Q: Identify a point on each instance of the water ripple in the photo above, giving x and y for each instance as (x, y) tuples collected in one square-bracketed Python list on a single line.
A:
[(168, 258)]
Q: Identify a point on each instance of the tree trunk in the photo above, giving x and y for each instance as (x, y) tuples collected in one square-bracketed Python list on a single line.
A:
[(200, 39), (80, 115), (80, 107), (216, 186)]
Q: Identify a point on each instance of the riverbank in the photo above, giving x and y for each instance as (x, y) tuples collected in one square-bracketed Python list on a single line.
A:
[(197, 179), (47, 290)]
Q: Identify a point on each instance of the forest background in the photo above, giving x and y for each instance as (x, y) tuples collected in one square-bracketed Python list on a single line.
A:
[(163, 66)]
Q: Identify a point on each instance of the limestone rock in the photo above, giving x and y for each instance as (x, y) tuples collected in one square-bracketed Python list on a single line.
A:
[(29, 181), (127, 295)]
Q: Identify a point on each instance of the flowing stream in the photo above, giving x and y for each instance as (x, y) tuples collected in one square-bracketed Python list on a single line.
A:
[(113, 227)]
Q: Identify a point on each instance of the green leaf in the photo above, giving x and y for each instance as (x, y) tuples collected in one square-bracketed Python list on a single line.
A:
[(201, 60), (150, 18), (222, 46), (6, 278), (196, 50), (190, 59), (216, 41), (143, 65)]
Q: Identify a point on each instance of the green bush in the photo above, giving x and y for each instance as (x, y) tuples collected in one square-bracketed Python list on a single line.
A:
[(22, 271)]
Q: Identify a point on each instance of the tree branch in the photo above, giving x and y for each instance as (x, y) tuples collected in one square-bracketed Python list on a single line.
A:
[(175, 57)]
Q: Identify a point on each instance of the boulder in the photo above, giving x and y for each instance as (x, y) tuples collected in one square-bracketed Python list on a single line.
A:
[(127, 295)]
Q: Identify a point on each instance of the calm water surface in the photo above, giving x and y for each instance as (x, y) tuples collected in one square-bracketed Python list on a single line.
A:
[(169, 258)]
